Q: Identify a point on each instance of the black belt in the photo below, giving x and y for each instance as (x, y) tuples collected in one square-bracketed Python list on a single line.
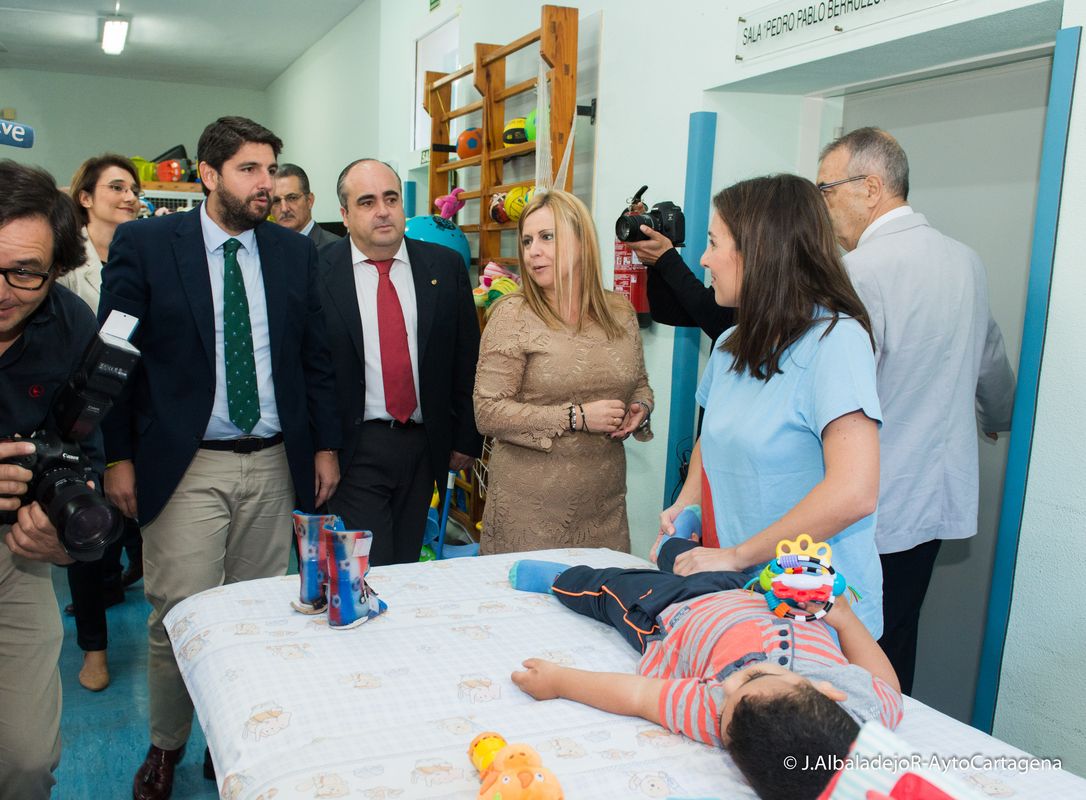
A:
[(242, 446), (395, 424)]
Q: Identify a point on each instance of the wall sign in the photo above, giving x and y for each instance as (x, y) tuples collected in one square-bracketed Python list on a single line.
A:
[(793, 23)]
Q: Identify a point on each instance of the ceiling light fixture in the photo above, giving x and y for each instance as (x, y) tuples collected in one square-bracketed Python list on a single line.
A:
[(114, 32)]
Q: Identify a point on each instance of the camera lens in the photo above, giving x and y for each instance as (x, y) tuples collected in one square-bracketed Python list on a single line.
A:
[(628, 227), (89, 526), (86, 522)]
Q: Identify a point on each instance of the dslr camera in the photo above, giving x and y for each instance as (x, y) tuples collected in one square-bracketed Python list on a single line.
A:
[(86, 522), (666, 218)]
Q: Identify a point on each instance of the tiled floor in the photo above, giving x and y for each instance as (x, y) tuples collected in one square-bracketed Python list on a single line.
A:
[(104, 734)]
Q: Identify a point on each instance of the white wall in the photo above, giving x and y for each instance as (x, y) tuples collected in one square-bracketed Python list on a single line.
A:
[(77, 116), (1040, 705), (329, 106)]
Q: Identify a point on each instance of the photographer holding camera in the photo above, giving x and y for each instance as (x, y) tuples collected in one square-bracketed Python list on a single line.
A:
[(44, 330), (676, 296)]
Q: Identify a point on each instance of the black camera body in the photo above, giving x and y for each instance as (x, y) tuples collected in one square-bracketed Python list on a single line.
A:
[(666, 218), (86, 522)]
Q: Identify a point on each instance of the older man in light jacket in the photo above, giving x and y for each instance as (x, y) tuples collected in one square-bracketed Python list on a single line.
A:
[(941, 369)]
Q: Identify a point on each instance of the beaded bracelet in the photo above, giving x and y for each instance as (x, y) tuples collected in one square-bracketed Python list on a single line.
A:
[(572, 419)]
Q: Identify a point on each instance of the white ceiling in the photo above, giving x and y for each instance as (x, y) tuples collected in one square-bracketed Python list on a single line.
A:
[(237, 43)]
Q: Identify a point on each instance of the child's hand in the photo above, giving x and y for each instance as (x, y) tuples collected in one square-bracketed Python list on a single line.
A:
[(539, 678), (841, 613)]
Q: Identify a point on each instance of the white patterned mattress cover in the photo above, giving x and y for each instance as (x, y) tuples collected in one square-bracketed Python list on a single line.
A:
[(292, 709)]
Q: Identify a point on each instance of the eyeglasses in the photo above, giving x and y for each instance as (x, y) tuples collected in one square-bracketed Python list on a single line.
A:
[(291, 198), (822, 187), (120, 187), (19, 278)]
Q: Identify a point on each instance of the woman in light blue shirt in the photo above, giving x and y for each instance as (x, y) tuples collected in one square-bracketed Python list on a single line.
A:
[(790, 439)]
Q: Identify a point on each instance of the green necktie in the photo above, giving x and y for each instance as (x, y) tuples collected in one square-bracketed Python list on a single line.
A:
[(242, 397)]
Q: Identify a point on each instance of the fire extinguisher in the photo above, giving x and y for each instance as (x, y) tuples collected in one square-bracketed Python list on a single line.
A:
[(631, 276)]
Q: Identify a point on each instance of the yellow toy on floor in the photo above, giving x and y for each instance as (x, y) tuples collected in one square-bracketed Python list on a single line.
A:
[(511, 771)]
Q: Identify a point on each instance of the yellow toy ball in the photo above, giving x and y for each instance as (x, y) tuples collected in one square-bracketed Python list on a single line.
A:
[(514, 132), (516, 199)]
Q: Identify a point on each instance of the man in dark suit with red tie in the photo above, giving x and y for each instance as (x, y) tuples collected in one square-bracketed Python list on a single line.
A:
[(405, 338)]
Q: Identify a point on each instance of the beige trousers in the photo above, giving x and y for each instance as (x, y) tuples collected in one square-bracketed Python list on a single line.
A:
[(227, 521), (30, 637)]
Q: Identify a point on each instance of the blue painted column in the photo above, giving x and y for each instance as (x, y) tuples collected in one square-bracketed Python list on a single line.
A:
[(684, 359), (1049, 188), (409, 190)]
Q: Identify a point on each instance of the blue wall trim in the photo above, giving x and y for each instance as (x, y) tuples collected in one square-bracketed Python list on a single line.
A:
[(700, 146), (1053, 153)]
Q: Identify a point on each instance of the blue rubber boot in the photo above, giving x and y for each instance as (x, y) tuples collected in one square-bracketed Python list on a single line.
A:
[(529, 575)]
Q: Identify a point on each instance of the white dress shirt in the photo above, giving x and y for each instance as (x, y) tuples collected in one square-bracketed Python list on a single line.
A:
[(365, 284), (889, 216), (220, 426), (309, 226)]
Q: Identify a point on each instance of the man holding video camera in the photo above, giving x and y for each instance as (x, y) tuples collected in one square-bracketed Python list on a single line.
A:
[(44, 330)]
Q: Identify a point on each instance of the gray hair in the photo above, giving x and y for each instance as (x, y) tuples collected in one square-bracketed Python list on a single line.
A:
[(343, 176), (872, 151), (294, 171)]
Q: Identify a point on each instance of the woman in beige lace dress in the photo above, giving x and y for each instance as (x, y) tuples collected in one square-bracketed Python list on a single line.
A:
[(560, 385)]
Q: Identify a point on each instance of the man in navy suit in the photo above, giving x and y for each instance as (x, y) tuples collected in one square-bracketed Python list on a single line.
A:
[(404, 339), (292, 205), (230, 418)]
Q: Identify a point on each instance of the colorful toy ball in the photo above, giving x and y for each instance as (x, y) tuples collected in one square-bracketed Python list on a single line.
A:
[(438, 230), (469, 143), (529, 126), (497, 208), (514, 132), (516, 199)]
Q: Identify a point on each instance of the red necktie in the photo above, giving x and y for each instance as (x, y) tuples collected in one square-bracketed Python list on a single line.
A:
[(395, 357)]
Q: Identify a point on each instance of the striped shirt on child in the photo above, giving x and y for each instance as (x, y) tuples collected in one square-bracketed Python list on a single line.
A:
[(709, 637)]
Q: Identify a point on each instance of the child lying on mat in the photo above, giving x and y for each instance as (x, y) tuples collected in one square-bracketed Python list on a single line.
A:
[(719, 667)]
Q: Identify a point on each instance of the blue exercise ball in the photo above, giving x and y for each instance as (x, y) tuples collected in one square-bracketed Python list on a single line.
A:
[(438, 230)]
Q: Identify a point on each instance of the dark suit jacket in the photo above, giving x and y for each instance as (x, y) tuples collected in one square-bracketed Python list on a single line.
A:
[(448, 349), (677, 297), (321, 237), (158, 272)]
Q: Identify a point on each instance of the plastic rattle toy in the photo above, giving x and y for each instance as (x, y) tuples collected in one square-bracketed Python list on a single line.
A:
[(511, 771), (801, 573)]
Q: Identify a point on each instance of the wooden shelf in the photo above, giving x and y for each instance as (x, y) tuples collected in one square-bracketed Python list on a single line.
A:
[(462, 163), (557, 38), (510, 151), (171, 186), (505, 187), (498, 226), (463, 111)]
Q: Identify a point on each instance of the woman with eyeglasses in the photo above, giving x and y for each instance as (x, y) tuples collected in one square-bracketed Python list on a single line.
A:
[(790, 441), (106, 189)]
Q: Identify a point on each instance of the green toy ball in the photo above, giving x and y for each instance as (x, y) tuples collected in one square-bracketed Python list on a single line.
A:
[(529, 126)]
